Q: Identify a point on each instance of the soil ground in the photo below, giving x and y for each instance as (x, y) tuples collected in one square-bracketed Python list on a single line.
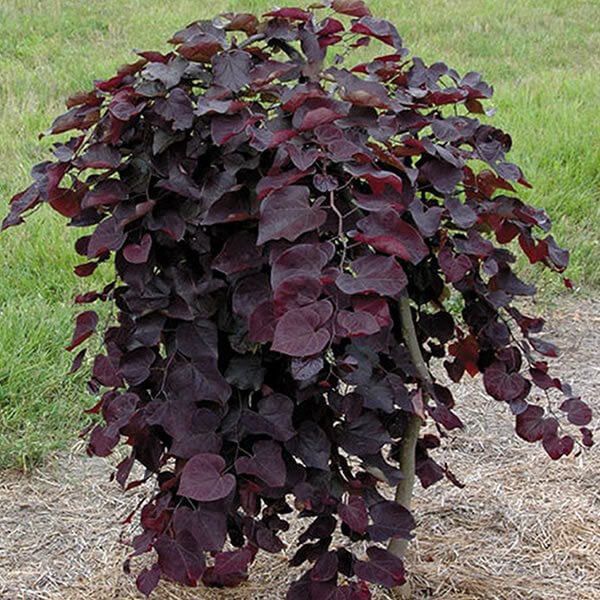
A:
[(523, 528)]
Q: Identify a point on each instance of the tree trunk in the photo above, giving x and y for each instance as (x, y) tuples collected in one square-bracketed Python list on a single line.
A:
[(408, 443)]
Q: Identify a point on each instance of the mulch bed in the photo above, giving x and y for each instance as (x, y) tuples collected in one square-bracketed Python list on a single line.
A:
[(524, 527)]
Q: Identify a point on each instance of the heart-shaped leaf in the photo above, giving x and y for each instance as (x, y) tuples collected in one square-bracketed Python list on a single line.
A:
[(202, 478)]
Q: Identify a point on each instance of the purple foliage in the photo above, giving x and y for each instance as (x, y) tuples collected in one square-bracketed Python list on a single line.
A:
[(265, 211)]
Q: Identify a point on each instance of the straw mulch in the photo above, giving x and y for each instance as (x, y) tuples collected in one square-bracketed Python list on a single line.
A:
[(524, 527)]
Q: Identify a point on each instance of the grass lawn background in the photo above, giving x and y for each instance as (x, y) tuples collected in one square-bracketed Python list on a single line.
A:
[(542, 56)]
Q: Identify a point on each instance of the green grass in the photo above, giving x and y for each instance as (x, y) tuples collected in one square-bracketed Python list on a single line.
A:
[(541, 55)]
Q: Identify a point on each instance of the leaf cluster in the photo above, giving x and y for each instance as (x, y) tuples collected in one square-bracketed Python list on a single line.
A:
[(265, 207)]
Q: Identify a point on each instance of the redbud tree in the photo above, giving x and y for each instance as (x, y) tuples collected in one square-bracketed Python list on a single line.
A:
[(287, 230)]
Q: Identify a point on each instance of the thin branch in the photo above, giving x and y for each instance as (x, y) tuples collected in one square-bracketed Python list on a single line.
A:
[(288, 49), (257, 37), (340, 233)]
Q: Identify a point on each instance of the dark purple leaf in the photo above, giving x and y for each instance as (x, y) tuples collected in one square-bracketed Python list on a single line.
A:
[(443, 415), (148, 579), (231, 69), (238, 254), (502, 384), (317, 117), (388, 232), (198, 339), (325, 183), (300, 589), (382, 568), (388, 198), (559, 256), (124, 110), (543, 380), (202, 478), (180, 559), (169, 74), (274, 418), (85, 325), (554, 445), (261, 325), (297, 333), (106, 370), (245, 372), (138, 253), (427, 221), (365, 435), (373, 274), (266, 463), (311, 445), (509, 171), (287, 213), (390, 520), (77, 361), (270, 183), (354, 514), (326, 567), (357, 323), (378, 307), (301, 259), (545, 348), (79, 117), (135, 365), (304, 369), (475, 244), (290, 13), (443, 176), (557, 447), (268, 70), (249, 292), (103, 440), (170, 222), (380, 468), (377, 178), (454, 267), (118, 409), (439, 325), (124, 469), (190, 443), (99, 156), (462, 214), (578, 412), (230, 208), (207, 523), (508, 282), (295, 292), (378, 28), (178, 108), (110, 191), (258, 534), (530, 423), (107, 236), (230, 568), (302, 159), (586, 437), (361, 92), (321, 528), (224, 127), (354, 8)]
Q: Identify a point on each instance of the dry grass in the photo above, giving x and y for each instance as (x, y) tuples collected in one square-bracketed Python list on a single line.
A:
[(524, 528)]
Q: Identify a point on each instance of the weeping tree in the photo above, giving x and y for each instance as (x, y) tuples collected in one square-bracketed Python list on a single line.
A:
[(288, 231)]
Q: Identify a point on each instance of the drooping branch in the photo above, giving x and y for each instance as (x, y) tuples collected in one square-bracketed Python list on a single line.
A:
[(275, 42)]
